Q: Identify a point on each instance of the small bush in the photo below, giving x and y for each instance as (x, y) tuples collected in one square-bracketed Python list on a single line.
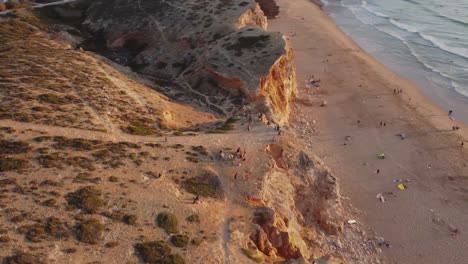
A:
[(13, 147), (192, 159), (24, 258), (194, 218), (88, 199), (140, 130), (180, 240), (196, 242), (90, 231), (85, 177), (11, 164), (157, 252), (5, 239), (168, 221), (111, 244), (129, 219), (36, 233), (206, 186), (200, 149), (57, 229)]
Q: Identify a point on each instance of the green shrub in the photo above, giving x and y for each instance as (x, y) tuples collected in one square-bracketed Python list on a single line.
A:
[(180, 240), (153, 252), (140, 130), (88, 199), (168, 221), (90, 231), (206, 186), (196, 242)]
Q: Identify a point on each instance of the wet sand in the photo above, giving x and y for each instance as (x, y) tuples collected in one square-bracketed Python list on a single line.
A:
[(357, 87)]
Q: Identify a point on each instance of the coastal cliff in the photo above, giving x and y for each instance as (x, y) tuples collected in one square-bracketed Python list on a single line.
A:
[(217, 49), (119, 132)]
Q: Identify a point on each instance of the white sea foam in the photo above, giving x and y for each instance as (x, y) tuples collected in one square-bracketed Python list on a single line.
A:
[(406, 27), (370, 10), (463, 52), (460, 89)]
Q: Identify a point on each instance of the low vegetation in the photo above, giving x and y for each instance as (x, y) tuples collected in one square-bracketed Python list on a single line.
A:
[(207, 186), (11, 164), (180, 240), (24, 258), (168, 221), (157, 252), (88, 199), (89, 231)]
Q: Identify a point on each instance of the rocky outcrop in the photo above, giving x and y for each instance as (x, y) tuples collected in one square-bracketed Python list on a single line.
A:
[(254, 17), (218, 50), (275, 239)]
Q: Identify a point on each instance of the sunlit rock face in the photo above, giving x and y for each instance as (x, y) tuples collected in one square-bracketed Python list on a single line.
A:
[(217, 49)]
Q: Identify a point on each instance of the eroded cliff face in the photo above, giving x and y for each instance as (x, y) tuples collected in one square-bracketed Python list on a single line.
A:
[(218, 50), (280, 87), (253, 17)]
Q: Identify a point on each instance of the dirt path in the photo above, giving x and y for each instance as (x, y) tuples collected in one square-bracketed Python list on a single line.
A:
[(357, 87)]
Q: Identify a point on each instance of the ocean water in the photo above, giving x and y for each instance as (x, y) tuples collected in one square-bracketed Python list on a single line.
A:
[(425, 41)]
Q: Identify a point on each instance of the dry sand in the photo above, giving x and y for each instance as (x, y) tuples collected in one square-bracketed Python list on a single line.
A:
[(357, 87)]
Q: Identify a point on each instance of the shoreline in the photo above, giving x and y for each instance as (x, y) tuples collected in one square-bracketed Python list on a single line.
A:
[(358, 87), (414, 70)]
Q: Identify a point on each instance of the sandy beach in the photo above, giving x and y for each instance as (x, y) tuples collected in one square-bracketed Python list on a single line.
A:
[(427, 222)]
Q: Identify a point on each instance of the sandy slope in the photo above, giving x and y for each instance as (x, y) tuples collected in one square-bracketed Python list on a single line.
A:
[(357, 87)]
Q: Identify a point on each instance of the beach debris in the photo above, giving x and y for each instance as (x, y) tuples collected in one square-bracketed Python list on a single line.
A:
[(348, 138), (437, 219), (381, 197), (381, 242), (401, 135), (381, 155), (312, 82), (401, 180), (401, 186), (324, 103), (352, 221)]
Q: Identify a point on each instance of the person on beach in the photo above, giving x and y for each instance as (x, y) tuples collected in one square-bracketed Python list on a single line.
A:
[(235, 176), (378, 171), (450, 113), (248, 128)]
